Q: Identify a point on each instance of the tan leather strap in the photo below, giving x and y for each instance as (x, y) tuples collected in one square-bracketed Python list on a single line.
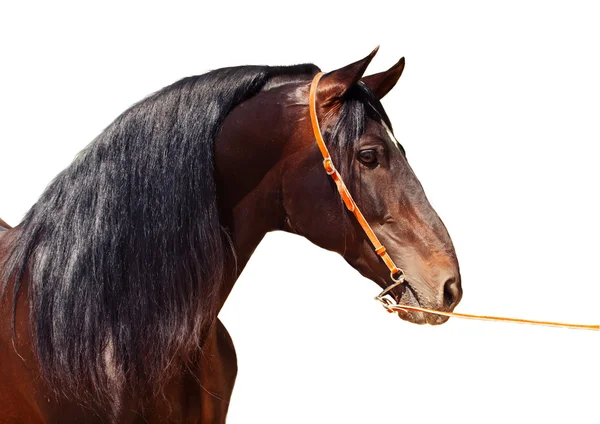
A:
[(396, 274)]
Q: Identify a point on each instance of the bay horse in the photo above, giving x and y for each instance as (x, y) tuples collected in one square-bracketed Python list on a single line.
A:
[(112, 283)]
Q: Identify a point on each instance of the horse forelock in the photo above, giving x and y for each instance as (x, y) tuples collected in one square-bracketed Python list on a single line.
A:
[(349, 124)]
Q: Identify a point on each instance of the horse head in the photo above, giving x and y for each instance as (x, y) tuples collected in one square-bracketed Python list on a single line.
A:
[(374, 166)]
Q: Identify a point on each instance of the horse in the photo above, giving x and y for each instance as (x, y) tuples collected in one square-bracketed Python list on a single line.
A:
[(112, 283)]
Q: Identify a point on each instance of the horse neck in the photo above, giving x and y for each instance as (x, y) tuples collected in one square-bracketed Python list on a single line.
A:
[(249, 158)]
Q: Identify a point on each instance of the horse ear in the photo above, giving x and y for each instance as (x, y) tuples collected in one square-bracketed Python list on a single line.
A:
[(383, 82), (336, 83)]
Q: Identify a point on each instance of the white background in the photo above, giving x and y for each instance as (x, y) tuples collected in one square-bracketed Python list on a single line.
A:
[(498, 109)]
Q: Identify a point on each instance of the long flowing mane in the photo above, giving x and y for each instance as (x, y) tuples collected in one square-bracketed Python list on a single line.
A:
[(124, 252)]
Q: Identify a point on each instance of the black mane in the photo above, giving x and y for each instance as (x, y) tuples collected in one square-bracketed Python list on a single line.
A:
[(124, 249)]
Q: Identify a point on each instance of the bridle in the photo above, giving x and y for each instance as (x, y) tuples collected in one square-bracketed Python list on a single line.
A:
[(396, 274)]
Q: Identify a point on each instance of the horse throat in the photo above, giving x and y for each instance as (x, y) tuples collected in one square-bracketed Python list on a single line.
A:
[(250, 157)]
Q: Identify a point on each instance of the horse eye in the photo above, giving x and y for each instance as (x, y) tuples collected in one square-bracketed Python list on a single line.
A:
[(368, 157)]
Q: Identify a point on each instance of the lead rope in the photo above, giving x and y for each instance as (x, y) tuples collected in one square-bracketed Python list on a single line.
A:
[(396, 274), (392, 307)]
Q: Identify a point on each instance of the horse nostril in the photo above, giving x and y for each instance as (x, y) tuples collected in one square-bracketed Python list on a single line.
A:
[(452, 293)]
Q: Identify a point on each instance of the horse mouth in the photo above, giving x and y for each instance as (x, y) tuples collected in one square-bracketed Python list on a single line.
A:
[(410, 297)]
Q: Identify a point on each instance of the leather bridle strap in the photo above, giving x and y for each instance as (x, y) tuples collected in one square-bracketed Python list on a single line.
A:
[(396, 274)]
